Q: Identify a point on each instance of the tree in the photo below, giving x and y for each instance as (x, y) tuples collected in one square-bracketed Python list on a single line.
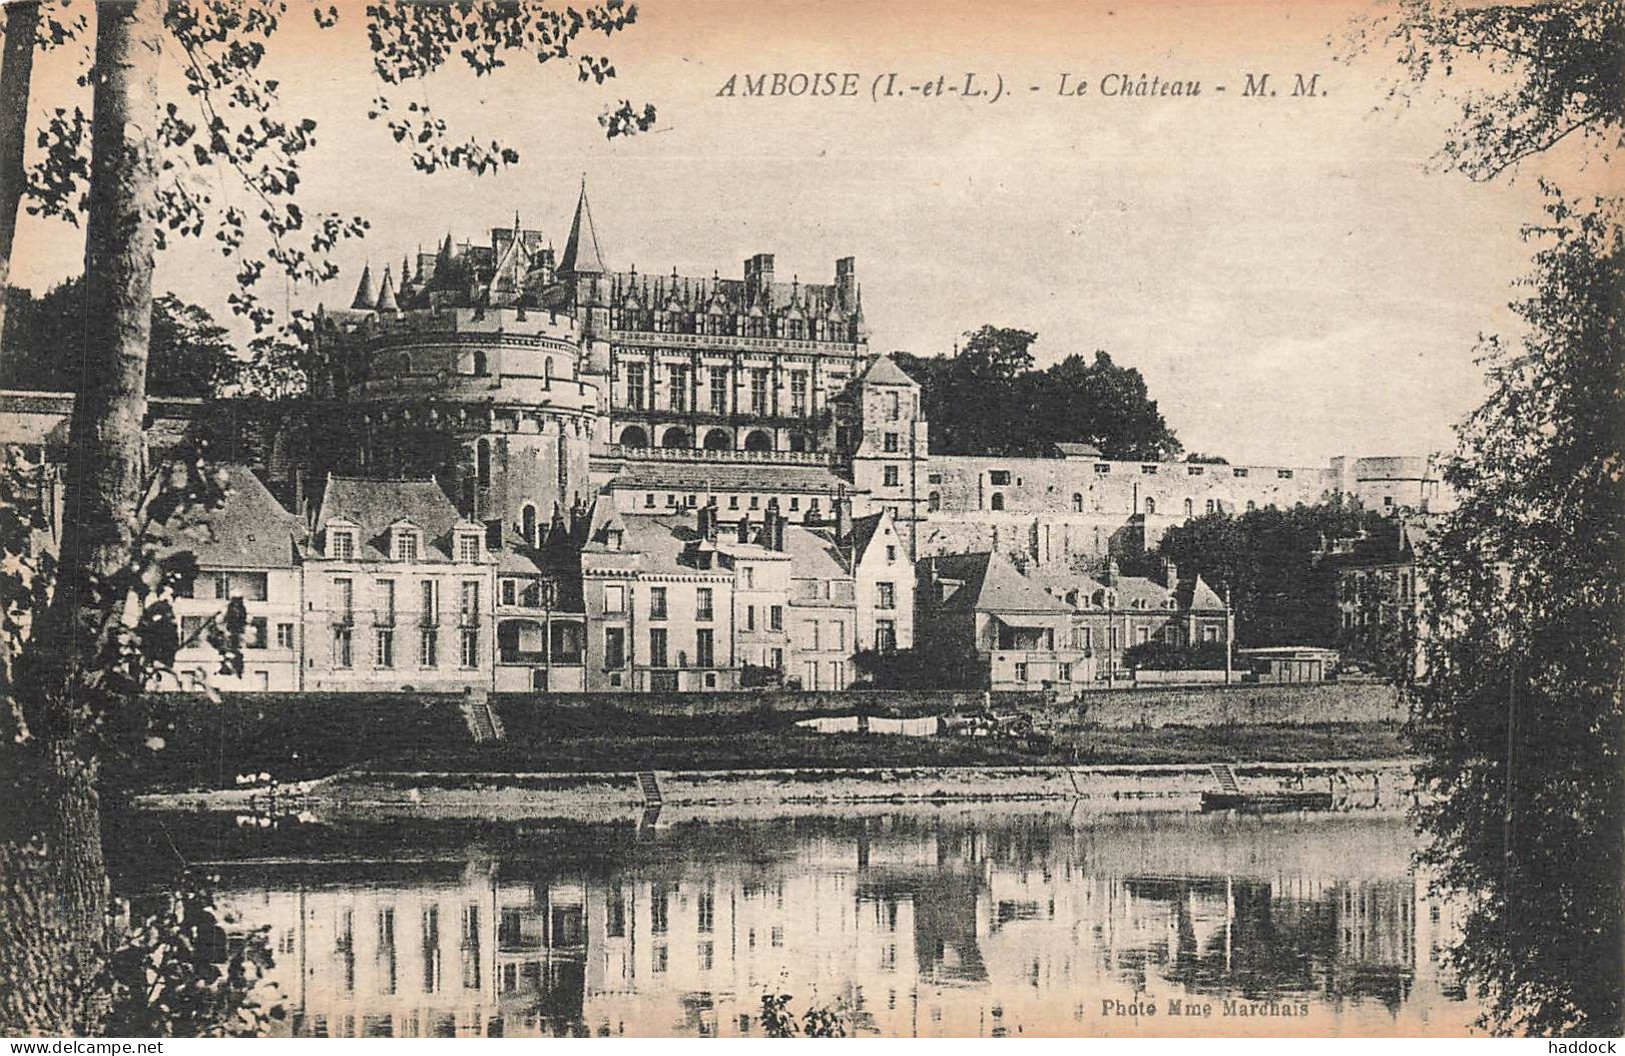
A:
[(1520, 717), (189, 355), (1523, 615), (1272, 564), (16, 84), (96, 664), (988, 399), (1555, 65)]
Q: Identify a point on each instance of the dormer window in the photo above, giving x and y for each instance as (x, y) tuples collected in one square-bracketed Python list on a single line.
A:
[(341, 544), (406, 544), (468, 546), (613, 538)]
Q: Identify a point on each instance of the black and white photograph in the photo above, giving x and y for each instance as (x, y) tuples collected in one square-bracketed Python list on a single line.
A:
[(811, 518)]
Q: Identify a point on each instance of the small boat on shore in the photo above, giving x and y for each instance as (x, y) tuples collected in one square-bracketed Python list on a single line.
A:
[(1266, 802)]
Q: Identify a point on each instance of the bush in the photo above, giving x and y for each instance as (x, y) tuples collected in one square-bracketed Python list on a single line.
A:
[(1160, 656)]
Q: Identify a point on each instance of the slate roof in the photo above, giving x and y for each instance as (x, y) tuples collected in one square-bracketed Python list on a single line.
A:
[(377, 504), (252, 530), (661, 545), (1147, 592), (581, 253), (715, 476), (814, 553), (1200, 597), (883, 370), (992, 584), (863, 532)]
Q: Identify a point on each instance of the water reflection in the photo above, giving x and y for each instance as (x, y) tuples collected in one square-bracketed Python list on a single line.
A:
[(950, 924)]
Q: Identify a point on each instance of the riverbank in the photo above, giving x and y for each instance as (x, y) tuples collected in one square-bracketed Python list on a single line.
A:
[(1354, 784)]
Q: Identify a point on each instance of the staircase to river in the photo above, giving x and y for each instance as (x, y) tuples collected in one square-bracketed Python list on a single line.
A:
[(483, 723), (650, 787), (1225, 776)]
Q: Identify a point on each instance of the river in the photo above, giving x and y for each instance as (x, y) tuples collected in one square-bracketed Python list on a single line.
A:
[(922, 921)]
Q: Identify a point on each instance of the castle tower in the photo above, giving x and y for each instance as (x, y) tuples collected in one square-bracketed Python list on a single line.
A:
[(890, 445)]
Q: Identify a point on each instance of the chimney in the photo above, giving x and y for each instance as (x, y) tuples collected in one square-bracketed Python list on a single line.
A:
[(846, 282), (778, 534), (1112, 573), (759, 273), (707, 520), (1170, 575), (843, 520), (744, 528)]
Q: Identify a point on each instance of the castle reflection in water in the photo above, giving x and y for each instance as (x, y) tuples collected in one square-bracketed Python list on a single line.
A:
[(957, 924)]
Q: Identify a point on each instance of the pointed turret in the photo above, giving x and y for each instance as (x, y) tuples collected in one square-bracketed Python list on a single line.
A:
[(386, 294), (365, 299), (581, 253)]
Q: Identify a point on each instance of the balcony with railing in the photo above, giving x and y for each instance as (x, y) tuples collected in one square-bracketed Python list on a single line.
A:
[(735, 343), (695, 454)]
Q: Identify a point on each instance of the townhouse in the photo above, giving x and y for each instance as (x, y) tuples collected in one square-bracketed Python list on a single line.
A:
[(398, 591)]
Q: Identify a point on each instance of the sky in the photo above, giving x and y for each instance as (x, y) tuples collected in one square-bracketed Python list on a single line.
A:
[(1292, 277)]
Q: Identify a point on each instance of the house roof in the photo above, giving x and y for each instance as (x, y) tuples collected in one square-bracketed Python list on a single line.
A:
[(883, 370), (660, 545), (251, 530), (375, 505), (1202, 598), (864, 530), (814, 553), (1147, 592), (992, 584)]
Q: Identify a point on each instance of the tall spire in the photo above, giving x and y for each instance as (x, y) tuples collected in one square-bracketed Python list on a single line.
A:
[(386, 294), (581, 253), (365, 299)]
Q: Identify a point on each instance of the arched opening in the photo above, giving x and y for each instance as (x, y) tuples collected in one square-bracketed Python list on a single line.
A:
[(482, 462), (675, 437), (1150, 506), (547, 370), (1077, 502), (758, 440), (479, 363), (521, 642), (527, 524), (933, 502), (718, 440), (1190, 507), (997, 502), (1251, 506), (634, 436)]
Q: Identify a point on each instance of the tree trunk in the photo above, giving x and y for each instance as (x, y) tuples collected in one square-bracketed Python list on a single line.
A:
[(62, 892), (16, 84)]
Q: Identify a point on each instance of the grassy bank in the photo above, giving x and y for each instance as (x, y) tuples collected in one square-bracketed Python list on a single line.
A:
[(209, 744), (794, 748)]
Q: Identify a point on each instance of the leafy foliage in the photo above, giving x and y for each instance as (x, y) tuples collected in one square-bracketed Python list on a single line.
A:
[(925, 666), (225, 116), (189, 355), (1270, 562), (828, 1021), (136, 637), (1557, 66), (1160, 656), (989, 399), (178, 973), (1521, 718)]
